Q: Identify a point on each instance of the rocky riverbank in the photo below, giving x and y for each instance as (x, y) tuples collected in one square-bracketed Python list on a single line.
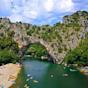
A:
[(84, 70), (8, 74)]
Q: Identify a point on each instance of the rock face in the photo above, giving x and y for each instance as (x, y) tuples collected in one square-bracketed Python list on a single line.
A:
[(8, 74), (84, 70), (58, 40), (80, 17)]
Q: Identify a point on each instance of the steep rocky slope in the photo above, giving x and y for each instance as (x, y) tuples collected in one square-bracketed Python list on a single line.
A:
[(58, 39)]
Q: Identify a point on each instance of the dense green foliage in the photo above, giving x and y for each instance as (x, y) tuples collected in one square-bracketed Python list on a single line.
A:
[(79, 55), (8, 56), (8, 49), (61, 34), (53, 33), (36, 50), (59, 39)]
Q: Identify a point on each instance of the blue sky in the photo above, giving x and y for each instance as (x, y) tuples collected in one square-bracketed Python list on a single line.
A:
[(40, 11)]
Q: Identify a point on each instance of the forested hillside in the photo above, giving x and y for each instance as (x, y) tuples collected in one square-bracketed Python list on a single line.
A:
[(60, 40)]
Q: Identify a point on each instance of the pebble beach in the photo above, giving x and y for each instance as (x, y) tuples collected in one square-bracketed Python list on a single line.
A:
[(8, 74)]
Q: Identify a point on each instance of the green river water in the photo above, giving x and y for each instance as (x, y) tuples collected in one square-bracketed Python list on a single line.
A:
[(39, 74)]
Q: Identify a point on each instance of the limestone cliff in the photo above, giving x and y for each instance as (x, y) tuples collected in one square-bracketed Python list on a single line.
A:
[(58, 39)]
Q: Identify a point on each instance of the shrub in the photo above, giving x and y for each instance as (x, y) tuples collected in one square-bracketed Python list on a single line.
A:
[(8, 56), (37, 50), (79, 55)]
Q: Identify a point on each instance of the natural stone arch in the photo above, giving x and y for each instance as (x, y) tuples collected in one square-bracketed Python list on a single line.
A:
[(46, 57), (57, 58), (53, 54)]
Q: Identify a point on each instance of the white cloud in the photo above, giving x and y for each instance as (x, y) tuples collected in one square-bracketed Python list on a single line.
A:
[(16, 18), (48, 5), (5, 5), (36, 9), (65, 5), (17, 9), (30, 14), (58, 5)]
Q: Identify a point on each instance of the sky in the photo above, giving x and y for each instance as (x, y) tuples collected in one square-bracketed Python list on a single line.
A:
[(40, 12)]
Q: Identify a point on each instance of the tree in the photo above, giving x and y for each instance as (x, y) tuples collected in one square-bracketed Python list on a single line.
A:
[(79, 55)]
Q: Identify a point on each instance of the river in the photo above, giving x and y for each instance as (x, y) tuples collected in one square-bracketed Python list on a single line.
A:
[(39, 74)]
